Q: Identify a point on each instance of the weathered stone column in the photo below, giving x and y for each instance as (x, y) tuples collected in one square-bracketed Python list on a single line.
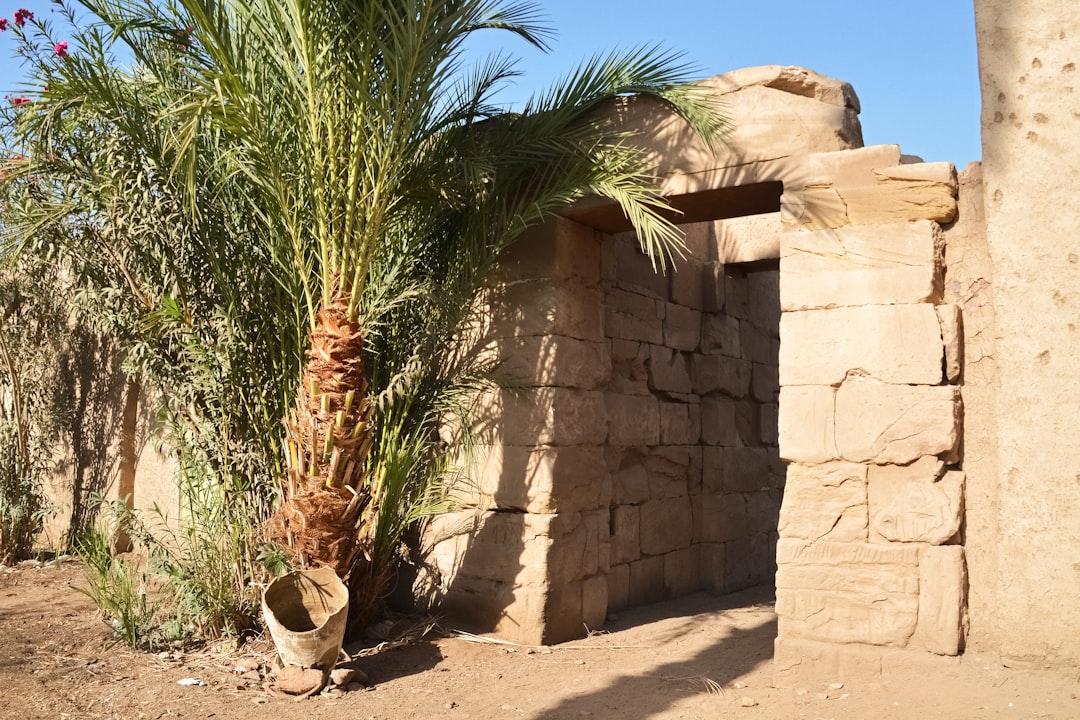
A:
[(869, 555)]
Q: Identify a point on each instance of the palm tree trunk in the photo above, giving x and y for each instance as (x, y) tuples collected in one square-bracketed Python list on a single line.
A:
[(328, 440)]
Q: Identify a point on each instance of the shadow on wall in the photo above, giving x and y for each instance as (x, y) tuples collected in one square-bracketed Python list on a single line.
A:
[(92, 391)]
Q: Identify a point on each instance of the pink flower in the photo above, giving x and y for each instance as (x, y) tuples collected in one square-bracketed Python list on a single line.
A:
[(22, 15), (3, 24), (17, 101), (61, 48)]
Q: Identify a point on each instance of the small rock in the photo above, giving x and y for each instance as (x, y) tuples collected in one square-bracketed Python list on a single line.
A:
[(190, 682), (450, 705), (530, 651), (821, 696), (333, 692), (507, 707), (355, 686), (359, 676), (244, 665), (251, 675), (738, 684), (748, 702), (545, 650), (836, 686), (295, 680), (342, 676)]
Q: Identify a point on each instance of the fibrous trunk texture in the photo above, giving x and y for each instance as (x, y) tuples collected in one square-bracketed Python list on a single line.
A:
[(328, 440)]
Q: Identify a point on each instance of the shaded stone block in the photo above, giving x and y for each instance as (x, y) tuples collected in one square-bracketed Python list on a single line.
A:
[(666, 525), (720, 335), (680, 423), (646, 581), (682, 327), (668, 371), (681, 572), (720, 374), (718, 425), (626, 534), (630, 316), (633, 421), (618, 587)]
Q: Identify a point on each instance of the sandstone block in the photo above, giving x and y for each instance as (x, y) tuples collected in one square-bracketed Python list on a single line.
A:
[(680, 423), (747, 238), (870, 617), (807, 424), (765, 295), (629, 368), (720, 335), (646, 581), (898, 200), (799, 552), (666, 525), (536, 479), (952, 335), (688, 282), (681, 572), (626, 538), (630, 316), (682, 327), (756, 343), (562, 613), (545, 307), (673, 470), (894, 424), (746, 469), (712, 470), (668, 371), (712, 567), (769, 424), (635, 271), (594, 602), (942, 578), (765, 382), (915, 503), (737, 296), (630, 482), (825, 502), (542, 416), (720, 373), (632, 420), (618, 587), (551, 360), (718, 421), (747, 562), (559, 248), (892, 343), (862, 265), (712, 287), (722, 518)]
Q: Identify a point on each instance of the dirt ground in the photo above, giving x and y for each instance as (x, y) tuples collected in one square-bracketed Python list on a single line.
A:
[(700, 657)]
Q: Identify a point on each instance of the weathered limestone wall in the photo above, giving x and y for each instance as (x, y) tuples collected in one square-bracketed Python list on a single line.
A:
[(869, 555), (1029, 51)]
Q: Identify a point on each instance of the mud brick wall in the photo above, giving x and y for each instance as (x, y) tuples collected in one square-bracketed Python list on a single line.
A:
[(692, 417)]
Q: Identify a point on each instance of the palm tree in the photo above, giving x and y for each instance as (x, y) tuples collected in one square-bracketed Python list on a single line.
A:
[(385, 171), (384, 181)]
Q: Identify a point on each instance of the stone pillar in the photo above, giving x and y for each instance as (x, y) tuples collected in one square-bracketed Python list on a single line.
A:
[(869, 420)]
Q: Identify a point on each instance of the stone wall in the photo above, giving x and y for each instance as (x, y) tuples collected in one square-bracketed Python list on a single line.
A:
[(870, 553), (691, 411), (633, 456)]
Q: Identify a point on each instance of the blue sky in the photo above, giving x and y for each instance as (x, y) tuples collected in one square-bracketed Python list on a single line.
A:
[(913, 63)]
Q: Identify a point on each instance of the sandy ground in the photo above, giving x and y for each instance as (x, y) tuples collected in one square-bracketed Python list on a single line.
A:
[(699, 657)]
